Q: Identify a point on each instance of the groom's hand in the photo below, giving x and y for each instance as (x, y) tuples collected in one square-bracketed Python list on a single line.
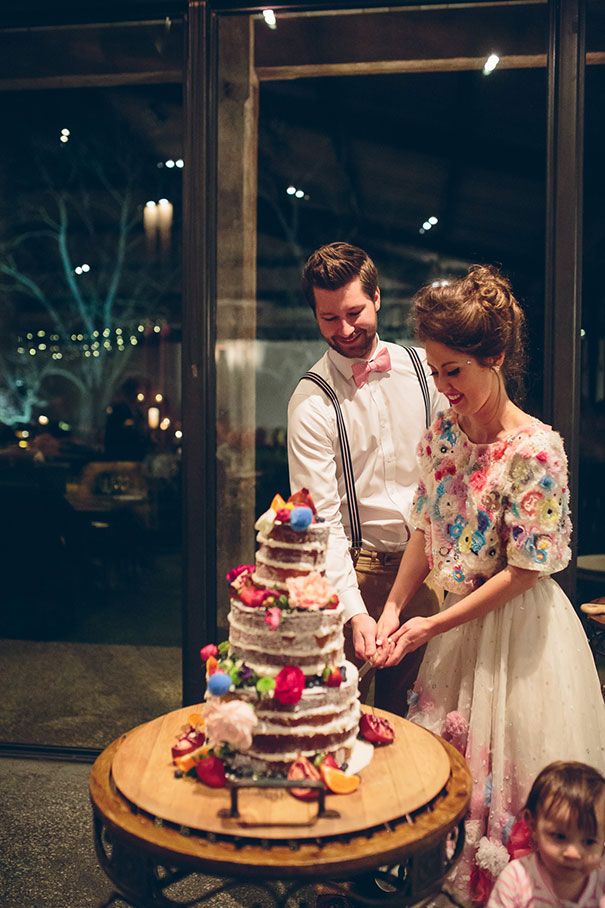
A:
[(364, 635)]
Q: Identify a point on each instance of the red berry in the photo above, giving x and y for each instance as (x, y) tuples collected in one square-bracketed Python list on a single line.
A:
[(211, 771), (334, 678), (329, 760), (375, 729)]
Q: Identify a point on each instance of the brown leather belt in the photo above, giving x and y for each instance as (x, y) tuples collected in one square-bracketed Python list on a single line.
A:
[(385, 559)]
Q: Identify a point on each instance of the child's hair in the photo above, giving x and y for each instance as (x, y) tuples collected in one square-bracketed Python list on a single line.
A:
[(573, 786)]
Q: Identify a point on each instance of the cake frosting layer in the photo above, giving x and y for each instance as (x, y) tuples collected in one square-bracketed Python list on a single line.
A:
[(284, 552), (325, 719), (310, 639)]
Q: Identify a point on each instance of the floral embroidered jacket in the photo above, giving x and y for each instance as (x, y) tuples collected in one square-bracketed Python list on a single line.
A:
[(483, 506)]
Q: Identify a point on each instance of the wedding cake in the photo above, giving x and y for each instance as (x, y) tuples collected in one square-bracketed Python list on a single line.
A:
[(280, 689)]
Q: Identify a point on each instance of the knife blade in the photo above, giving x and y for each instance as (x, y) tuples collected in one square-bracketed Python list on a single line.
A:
[(365, 668)]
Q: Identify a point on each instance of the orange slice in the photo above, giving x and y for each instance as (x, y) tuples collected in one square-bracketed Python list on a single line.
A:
[(337, 781), (188, 762), (278, 503), (195, 719)]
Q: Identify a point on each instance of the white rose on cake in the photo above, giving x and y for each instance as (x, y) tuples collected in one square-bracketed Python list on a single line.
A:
[(230, 722)]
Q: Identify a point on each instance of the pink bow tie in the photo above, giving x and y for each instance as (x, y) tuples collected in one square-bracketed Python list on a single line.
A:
[(361, 371)]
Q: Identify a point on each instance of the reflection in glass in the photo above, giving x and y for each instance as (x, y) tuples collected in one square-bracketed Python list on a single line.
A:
[(90, 402)]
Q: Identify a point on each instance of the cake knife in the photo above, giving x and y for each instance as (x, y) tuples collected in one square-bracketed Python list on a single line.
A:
[(365, 668)]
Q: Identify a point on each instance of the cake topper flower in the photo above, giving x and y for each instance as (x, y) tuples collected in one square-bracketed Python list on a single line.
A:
[(230, 722), (310, 591), (289, 685)]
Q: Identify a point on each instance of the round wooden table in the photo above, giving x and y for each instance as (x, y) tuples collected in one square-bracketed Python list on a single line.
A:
[(152, 830)]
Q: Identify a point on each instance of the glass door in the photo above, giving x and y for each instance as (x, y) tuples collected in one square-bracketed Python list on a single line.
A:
[(419, 135), (90, 388)]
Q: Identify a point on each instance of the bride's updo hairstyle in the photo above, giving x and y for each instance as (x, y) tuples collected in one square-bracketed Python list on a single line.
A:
[(477, 315)]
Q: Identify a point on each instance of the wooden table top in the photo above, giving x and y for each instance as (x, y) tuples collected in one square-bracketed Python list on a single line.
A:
[(295, 851)]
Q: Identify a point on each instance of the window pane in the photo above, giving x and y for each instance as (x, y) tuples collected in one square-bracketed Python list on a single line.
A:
[(90, 409), (371, 126)]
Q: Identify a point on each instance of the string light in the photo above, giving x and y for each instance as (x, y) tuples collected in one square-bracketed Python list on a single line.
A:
[(97, 342)]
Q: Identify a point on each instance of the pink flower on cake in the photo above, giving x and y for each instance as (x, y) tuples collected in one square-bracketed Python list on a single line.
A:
[(209, 650), (230, 722), (283, 515), (312, 591), (255, 597), (273, 617), (289, 685)]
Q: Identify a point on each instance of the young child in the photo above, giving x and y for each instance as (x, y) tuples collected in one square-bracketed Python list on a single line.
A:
[(565, 811)]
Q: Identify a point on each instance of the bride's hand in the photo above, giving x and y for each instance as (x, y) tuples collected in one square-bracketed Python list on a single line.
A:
[(410, 637)]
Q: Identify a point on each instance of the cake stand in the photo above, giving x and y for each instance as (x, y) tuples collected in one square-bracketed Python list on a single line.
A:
[(152, 829)]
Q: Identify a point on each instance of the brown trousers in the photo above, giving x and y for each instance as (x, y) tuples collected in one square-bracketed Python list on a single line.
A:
[(376, 572)]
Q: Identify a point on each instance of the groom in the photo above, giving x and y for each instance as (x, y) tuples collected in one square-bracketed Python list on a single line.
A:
[(363, 477)]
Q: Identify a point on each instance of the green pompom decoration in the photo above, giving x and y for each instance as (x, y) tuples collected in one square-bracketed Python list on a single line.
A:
[(265, 685), (223, 648)]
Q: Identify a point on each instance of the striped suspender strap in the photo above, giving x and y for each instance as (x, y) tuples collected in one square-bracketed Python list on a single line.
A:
[(347, 463), (422, 381)]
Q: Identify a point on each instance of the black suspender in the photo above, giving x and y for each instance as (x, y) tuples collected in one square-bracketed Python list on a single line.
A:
[(345, 450), (347, 463), (424, 385)]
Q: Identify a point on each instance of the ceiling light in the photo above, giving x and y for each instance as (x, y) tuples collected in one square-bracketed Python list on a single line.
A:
[(269, 17), (490, 64), (433, 220)]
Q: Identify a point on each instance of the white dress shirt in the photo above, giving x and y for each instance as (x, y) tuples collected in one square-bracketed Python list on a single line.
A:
[(384, 419)]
